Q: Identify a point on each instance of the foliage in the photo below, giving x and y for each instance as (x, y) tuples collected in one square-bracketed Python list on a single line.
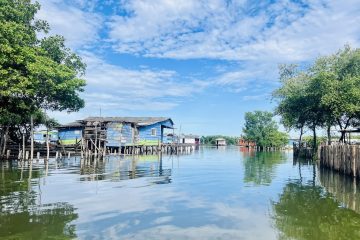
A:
[(211, 140), (310, 141), (261, 128), (35, 73), (326, 94)]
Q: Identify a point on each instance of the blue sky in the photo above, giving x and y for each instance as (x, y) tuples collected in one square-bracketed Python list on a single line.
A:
[(202, 63)]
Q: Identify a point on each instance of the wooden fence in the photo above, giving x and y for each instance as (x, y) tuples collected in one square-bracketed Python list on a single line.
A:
[(302, 150), (343, 158)]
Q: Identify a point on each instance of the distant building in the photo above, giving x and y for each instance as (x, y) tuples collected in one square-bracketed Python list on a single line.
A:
[(40, 136), (71, 133), (115, 131), (190, 139), (246, 143), (220, 142), (171, 138)]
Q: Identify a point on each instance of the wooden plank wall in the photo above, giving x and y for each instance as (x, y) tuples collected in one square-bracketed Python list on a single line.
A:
[(342, 158)]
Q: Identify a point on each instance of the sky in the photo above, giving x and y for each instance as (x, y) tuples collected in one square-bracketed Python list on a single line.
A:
[(201, 63)]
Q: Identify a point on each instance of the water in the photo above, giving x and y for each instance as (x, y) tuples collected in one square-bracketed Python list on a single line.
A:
[(213, 193)]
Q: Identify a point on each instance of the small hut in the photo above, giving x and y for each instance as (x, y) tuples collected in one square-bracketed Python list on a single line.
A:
[(70, 134), (220, 142), (246, 143), (190, 139)]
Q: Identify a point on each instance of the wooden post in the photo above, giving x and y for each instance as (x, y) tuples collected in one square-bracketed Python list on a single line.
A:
[(32, 138), (38, 156), (47, 144), (353, 160), (23, 146), (5, 140), (8, 154)]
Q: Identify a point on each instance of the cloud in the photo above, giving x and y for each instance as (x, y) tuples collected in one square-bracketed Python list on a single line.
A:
[(234, 30), (79, 27), (115, 87)]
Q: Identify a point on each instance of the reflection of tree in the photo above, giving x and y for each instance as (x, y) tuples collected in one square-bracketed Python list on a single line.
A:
[(260, 168), (14, 179), (45, 222), (306, 212), (22, 218)]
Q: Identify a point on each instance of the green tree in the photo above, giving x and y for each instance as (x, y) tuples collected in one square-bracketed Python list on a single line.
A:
[(211, 140), (324, 95), (35, 74), (261, 128)]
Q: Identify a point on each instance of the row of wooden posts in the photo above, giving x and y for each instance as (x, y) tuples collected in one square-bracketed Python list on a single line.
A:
[(25, 155), (344, 158)]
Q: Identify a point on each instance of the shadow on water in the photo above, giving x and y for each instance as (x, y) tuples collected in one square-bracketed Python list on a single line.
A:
[(260, 166), (319, 208), (21, 214)]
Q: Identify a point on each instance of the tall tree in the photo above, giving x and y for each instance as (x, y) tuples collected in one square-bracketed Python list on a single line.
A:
[(35, 73), (324, 95)]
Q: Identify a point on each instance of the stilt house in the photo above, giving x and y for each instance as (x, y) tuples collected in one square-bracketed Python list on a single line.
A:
[(115, 132)]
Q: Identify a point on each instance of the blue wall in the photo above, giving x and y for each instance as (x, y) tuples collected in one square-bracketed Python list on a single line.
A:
[(40, 136), (68, 136), (119, 134), (145, 136)]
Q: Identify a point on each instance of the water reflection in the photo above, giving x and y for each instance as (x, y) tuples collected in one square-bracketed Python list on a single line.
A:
[(305, 211), (211, 194), (117, 168), (22, 216), (260, 166), (343, 188)]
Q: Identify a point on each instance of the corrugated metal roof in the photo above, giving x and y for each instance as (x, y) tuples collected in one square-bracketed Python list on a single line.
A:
[(189, 136), (141, 121), (72, 124)]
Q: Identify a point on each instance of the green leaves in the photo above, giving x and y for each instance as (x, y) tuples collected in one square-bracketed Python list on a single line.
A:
[(326, 94), (261, 128), (35, 74)]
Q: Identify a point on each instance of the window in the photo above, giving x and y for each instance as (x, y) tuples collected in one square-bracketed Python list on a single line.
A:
[(153, 132)]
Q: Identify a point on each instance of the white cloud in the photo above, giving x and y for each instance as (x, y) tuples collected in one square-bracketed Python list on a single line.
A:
[(238, 30), (79, 27)]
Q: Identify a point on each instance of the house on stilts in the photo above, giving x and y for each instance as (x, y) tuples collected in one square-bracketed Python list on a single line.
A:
[(115, 132)]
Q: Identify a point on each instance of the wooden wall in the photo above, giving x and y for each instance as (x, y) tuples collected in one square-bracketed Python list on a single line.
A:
[(145, 136), (342, 158), (119, 134)]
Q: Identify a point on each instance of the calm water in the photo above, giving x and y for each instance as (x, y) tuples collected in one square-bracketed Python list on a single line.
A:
[(211, 194)]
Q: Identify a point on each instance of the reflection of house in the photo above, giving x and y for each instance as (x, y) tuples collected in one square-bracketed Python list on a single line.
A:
[(116, 131), (190, 139), (220, 142), (246, 143)]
